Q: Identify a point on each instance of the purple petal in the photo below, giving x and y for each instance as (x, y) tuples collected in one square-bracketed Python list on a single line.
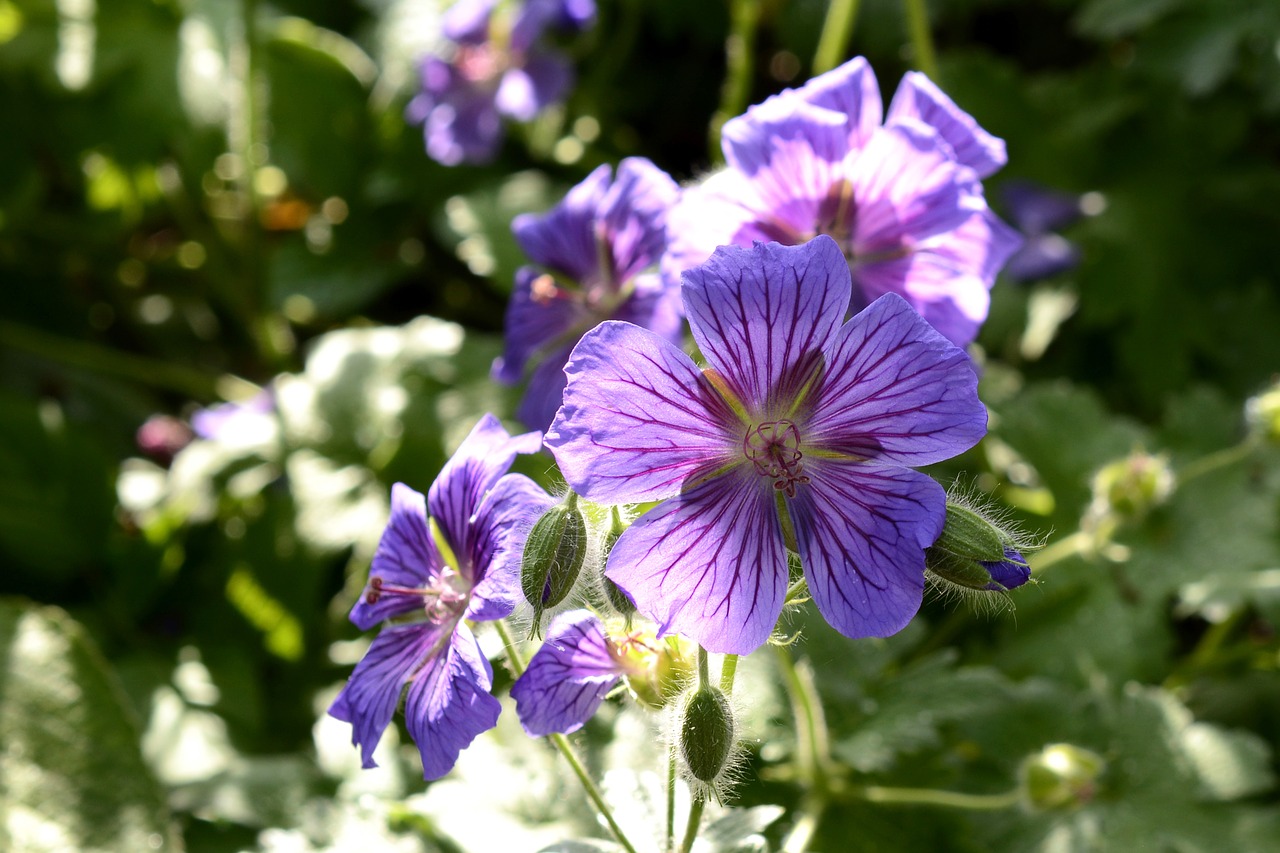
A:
[(906, 188), (1042, 256), (638, 419), (568, 677), (1037, 209), (762, 315), (896, 390), (919, 98), (654, 304), (752, 142), (720, 211), (545, 394), (527, 90), (464, 129), (449, 704), (633, 216), (483, 457), (406, 557), (862, 530), (564, 238), (467, 21), (534, 322), (852, 91), (709, 564), (501, 522), (534, 16), (1010, 573), (370, 696)]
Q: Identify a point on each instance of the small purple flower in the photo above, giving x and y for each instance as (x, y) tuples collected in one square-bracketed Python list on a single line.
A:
[(497, 68), (458, 564), (593, 250), (903, 198), (569, 676), (797, 434), (1010, 573), (1038, 212)]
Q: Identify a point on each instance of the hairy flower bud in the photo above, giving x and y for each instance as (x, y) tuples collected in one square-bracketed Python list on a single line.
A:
[(1061, 776), (975, 552), (706, 733), (616, 598), (553, 557)]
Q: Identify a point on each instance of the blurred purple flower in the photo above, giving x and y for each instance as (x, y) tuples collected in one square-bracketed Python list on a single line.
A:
[(1039, 211), (496, 69), (593, 250), (162, 436), (459, 564), (238, 423), (797, 435), (904, 198)]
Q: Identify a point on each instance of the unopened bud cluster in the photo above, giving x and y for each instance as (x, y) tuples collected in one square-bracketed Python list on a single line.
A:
[(977, 551), (1127, 489), (1061, 776)]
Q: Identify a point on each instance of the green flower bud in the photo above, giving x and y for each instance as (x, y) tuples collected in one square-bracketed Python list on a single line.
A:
[(1061, 776), (658, 669), (553, 557), (617, 599), (1263, 414), (976, 553), (706, 733), (1130, 488)]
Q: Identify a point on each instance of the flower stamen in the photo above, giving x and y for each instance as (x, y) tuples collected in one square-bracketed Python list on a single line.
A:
[(774, 448), (441, 601)]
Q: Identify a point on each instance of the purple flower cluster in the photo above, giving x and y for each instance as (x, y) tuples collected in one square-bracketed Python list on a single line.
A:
[(827, 277), (496, 68), (903, 198), (593, 251)]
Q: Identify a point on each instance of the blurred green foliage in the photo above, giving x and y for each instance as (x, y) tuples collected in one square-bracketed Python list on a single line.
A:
[(201, 197)]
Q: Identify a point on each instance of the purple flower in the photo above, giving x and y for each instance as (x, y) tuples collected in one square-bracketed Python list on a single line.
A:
[(797, 434), (903, 198), (1038, 212), (593, 249), (496, 69), (238, 423), (569, 676), (459, 565), (1010, 573)]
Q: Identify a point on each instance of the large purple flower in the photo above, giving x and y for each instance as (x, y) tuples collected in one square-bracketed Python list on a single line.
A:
[(496, 68), (593, 250), (903, 198), (796, 434), (461, 564)]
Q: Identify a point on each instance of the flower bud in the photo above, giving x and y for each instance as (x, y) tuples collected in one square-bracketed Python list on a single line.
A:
[(974, 552), (1061, 776), (1129, 488), (706, 733), (617, 599), (553, 557), (1263, 414), (658, 669)]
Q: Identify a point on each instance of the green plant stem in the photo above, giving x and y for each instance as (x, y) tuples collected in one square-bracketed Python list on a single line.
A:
[(518, 666), (1075, 545), (739, 49), (102, 359), (930, 797), (921, 38), (691, 825), (812, 749), (1217, 459), (837, 29), (670, 845), (728, 669)]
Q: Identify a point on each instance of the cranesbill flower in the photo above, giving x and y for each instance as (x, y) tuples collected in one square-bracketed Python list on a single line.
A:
[(1039, 212), (448, 559), (797, 434), (903, 198), (593, 251), (495, 68)]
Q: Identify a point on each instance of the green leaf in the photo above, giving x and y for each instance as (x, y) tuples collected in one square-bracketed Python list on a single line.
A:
[(740, 830), (72, 775)]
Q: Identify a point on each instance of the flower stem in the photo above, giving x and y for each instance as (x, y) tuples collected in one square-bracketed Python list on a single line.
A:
[(739, 49), (812, 749), (1075, 545), (518, 666), (1217, 459), (930, 797), (837, 29), (921, 38), (728, 668), (670, 846)]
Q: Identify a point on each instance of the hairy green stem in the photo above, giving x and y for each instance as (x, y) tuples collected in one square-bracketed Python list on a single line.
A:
[(670, 845), (931, 797), (518, 666), (921, 38), (691, 825), (837, 29), (739, 49)]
